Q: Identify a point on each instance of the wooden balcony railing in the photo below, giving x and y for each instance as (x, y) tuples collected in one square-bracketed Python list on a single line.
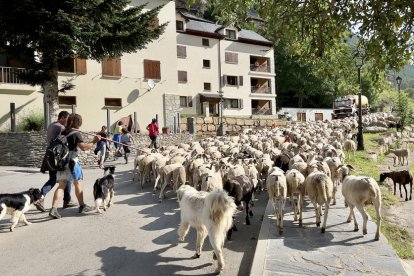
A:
[(10, 75), (260, 68), (261, 111), (263, 90)]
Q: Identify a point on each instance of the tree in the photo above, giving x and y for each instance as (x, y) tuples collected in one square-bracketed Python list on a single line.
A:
[(43, 32), (312, 28)]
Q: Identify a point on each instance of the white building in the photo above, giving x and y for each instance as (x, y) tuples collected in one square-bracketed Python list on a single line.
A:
[(189, 64)]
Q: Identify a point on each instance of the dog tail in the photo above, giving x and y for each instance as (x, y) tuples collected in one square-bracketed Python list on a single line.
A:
[(220, 208), (3, 210)]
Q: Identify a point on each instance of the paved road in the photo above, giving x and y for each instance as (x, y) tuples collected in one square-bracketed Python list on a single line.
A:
[(137, 236)]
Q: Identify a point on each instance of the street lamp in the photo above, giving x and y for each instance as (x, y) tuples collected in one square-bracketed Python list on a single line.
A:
[(359, 62), (398, 79), (221, 131)]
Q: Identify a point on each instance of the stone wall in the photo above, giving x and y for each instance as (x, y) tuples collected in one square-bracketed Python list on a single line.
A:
[(27, 149), (209, 125), (171, 108)]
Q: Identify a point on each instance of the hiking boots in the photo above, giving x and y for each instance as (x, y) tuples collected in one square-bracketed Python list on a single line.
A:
[(39, 205), (69, 204), (54, 213), (85, 208)]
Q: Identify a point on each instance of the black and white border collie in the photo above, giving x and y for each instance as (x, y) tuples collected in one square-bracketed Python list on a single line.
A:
[(17, 204), (103, 189)]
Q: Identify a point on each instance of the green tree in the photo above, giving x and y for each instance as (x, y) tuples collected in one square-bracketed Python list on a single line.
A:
[(312, 28), (404, 109), (44, 32)]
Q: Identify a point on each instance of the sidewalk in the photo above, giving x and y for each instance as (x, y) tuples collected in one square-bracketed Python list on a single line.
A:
[(305, 251)]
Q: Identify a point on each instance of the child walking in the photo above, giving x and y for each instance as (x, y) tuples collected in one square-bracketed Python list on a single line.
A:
[(127, 140)]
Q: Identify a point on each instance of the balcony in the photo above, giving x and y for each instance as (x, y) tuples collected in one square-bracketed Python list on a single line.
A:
[(9, 75), (261, 90), (260, 68), (261, 111)]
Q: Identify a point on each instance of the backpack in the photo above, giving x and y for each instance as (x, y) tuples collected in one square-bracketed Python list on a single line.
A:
[(57, 153)]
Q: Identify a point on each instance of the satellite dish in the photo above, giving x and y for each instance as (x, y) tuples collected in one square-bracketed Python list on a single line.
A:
[(151, 83)]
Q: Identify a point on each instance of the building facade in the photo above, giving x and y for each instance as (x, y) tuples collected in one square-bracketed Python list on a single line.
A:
[(179, 73)]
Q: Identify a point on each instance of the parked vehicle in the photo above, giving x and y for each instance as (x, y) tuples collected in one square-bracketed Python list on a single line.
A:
[(348, 106)]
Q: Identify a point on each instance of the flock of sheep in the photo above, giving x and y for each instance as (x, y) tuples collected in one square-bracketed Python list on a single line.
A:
[(306, 159)]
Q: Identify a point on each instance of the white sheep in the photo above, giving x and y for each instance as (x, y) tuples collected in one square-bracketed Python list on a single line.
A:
[(350, 147), (295, 185), (359, 191), (277, 190), (319, 187), (173, 172)]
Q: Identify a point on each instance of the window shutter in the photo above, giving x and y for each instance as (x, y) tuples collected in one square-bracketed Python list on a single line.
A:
[(241, 80), (190, 101), (240, 103), (182, 76), (152, 69), (181, 51), (80, 66), (224, 80), (227, 57), (117, 67), (235, 58), (106, 67), (111, 67), (226, 104)]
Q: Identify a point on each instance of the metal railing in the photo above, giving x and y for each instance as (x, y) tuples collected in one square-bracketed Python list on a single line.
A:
[(264, 90), (261, 111), (10, 75), (260, 68)]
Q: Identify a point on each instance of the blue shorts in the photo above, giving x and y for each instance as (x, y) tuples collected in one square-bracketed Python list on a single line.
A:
[(116, 139), (67, 175)]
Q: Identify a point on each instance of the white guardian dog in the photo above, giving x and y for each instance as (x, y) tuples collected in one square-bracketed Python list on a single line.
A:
[(211, 214)]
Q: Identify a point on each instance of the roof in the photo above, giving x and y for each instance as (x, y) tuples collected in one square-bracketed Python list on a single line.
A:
[(197, 25)]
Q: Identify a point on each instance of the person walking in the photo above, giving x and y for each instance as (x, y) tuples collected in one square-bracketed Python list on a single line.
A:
[(53, 130), (117, 137), (126, 140), (153, 133), (73, 171), (102, 147)]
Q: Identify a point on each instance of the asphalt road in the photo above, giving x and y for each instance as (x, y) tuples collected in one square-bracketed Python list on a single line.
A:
[(137, 236)]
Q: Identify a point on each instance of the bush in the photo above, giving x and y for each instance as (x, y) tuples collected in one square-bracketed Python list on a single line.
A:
[(31, 122)]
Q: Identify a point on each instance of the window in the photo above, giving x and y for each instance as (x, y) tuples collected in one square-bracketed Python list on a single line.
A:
[(230, 80), (67, 100), (182, 76), (179, 25), (186, 101), (207, 86), (206, 63), (70, 65), (231, 34), (113, 102), (301, 116), (231, 57), (181, 51), (152, 69), (111, 67), (205, 42), (233, 103), (183, 101)]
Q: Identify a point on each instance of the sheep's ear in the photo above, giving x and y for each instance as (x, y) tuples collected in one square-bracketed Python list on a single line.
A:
[(389, 168)]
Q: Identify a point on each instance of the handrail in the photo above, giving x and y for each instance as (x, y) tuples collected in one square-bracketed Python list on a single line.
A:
[(10, 75), (265, 90)]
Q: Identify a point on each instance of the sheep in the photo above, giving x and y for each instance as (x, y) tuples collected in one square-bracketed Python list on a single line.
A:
[(173, 172), (359, 191), (401, 155), (242, 189), (277, 190), (295, 185), (319, 187), (350, 147), (401, 177), (212, 180)]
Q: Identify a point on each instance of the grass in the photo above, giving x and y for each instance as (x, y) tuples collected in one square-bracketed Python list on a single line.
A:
[(398, 237)]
